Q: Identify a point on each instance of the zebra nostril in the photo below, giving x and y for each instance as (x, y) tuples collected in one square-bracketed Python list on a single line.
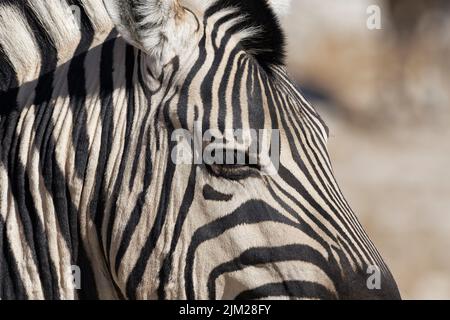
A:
[(209, 193)]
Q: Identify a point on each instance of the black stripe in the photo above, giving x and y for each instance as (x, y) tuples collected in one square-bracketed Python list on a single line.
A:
[(335, 195), (292, 289), (209, 193), (20, 184), (296, 135), (261, 256), (11, 285), (34, 231), (255, 106), (303, 125), (182, 107), (98, 204), (137, 212), (181, 218), (223, 89), (268, 86), (304, 192), (9, 274), (206, 88), (251, 212), (76, 80), (336, 268), (161, 110), (137, 273), (289, 178), (130, 68), (300, 219), (236, 95), (140, 146), (48, 55), (8, 85)]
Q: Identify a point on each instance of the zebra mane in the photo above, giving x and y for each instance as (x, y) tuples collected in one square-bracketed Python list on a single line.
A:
[(263, 35), (46, 30), (32, 32)]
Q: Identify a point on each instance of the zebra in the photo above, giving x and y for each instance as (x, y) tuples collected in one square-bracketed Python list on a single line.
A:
[(89, 105)]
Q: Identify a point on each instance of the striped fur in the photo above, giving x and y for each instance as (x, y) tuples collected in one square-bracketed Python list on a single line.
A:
[(85, 171)]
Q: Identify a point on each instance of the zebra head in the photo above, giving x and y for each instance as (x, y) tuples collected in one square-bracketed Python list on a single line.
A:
[(174, 161), (209, 69)]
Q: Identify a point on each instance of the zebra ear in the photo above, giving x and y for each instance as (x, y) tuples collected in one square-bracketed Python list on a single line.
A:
[(280, 7), (154, 26)]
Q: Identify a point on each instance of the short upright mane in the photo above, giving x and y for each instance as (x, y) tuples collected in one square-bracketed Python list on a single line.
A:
[(267, 45)]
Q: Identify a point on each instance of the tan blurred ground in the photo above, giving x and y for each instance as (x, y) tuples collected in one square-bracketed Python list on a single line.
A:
[(388, 108)]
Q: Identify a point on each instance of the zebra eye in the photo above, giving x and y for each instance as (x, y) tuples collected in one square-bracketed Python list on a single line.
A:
[(233, 164), (233, 172)]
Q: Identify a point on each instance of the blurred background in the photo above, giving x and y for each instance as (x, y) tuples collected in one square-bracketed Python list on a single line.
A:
[(385, 94)]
